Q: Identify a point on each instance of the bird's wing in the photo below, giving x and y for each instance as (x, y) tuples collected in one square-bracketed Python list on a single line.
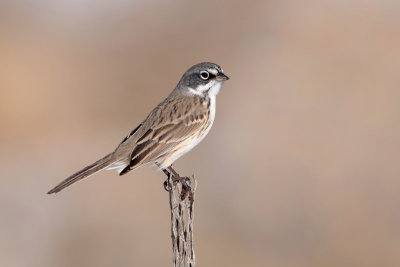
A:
[(169, 124)]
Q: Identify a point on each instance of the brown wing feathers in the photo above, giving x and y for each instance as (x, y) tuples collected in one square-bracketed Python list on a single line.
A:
[(183, 117)]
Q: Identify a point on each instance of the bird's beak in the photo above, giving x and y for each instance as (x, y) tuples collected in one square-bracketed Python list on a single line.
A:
[(222, 77)]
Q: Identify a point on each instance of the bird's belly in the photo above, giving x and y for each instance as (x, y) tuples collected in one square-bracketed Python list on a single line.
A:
[(185, 146), (182, 148)]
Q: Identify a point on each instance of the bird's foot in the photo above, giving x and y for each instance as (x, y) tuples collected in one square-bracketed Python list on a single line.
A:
[(176, 178)]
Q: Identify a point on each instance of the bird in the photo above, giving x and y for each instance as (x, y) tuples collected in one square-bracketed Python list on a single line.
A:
[(173, 127)]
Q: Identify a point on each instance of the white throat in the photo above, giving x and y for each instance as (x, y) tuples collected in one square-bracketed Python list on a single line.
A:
[(212, 89)]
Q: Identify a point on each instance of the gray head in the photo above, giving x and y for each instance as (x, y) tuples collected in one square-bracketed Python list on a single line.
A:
[(202, 79)]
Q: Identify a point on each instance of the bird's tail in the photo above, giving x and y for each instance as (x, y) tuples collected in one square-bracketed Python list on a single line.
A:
[(85, 172)]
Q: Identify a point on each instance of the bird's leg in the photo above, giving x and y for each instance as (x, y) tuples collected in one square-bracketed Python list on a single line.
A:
[(177, 178), (167, 183), (171, 173)]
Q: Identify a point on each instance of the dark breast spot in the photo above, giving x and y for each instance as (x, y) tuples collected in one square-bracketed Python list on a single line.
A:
[(188, 108)]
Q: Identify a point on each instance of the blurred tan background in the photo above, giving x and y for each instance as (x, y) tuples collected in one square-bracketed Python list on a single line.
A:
[(301, 167)]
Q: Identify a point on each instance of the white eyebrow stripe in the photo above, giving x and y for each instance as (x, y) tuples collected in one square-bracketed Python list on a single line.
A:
[(213, 71)]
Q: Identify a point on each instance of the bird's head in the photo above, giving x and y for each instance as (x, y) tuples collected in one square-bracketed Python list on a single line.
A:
[(202, 79)]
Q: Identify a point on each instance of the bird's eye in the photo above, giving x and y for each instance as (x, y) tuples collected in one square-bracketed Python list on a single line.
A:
[(204, 75)]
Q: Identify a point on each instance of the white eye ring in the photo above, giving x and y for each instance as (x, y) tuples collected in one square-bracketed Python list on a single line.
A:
[(204, 75)]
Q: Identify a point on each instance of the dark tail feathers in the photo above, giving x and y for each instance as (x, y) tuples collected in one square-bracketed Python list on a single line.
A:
[(85, 172)]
